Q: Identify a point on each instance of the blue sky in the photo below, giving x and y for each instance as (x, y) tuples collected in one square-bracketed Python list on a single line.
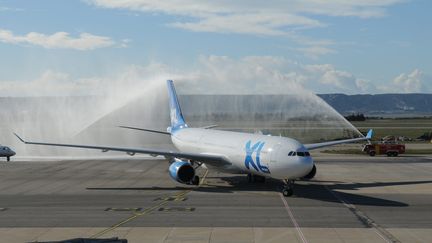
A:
[(327, 46)]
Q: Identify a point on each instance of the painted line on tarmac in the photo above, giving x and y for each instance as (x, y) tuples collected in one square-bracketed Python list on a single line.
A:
[(148, 210), (380, 231), (294, 221)]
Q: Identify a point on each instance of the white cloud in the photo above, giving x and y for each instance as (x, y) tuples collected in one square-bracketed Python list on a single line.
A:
[(204, 8), (333, 80), (250, 23), (409, 82), (269, 18), (365, 86), (268, 75), (50, 83), (414, 82), (124, 43), (216, 75), (7, 9), (58, 40), (130, 80), (262, 18)]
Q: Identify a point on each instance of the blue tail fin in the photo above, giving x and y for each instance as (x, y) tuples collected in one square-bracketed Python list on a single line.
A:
[(177, 120)]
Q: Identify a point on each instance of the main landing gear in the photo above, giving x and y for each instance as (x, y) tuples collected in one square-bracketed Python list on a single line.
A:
[(195, 180), (287, 189), (255, 178)]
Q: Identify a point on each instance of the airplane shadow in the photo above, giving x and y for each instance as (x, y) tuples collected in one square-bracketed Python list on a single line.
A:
[(327, 191)]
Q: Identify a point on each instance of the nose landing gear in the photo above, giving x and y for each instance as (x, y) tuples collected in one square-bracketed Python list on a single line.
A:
[(287, 189)]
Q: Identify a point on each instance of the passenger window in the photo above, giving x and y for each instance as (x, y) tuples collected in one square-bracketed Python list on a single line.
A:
[(290, 153), (301, 154)]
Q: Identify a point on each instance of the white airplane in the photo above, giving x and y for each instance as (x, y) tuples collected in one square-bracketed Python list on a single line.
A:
[(256, 155), (6, 152)]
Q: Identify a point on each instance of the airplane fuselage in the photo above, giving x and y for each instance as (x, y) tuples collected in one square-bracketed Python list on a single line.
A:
[(251, 153)]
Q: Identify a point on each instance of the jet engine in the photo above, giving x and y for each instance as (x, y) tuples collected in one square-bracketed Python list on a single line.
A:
[(182, 171), (311, 174)]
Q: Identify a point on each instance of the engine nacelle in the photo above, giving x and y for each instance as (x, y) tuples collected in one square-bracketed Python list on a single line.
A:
[(181, 171), (311, 174)]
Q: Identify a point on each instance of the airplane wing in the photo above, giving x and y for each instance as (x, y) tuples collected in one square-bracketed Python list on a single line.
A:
[(146, 130), (212, 159), (331, 143), (210, 126)]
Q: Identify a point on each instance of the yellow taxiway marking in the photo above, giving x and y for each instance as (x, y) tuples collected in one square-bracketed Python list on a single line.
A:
[(147, 210)]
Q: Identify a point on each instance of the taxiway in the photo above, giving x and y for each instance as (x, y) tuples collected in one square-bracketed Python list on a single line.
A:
[(352, 199)]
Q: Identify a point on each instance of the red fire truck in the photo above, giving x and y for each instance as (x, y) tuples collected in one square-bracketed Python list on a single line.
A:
[(386, 147)]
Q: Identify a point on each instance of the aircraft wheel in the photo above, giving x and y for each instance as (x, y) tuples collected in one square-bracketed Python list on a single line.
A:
[(287, 192), (8, 158), (287, 189), (195, 180), (249, 178)]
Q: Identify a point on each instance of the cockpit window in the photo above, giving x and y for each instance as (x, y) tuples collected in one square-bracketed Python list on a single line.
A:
[(299, 153)]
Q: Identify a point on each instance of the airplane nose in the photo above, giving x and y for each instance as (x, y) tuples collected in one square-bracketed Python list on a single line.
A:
[(306, 163), (300, 167)]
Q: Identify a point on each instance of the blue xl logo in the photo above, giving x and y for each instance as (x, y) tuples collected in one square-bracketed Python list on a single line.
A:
[(249, 160)]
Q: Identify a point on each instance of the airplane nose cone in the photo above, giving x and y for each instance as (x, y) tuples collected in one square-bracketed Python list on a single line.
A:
[(307, 164), (300, 167)]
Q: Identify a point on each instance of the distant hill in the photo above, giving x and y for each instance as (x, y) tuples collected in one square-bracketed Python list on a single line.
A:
[(387, 105), (381, 104)]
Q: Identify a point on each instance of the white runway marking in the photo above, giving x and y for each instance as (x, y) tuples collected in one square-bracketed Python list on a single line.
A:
[(381, 232), (297, 227)]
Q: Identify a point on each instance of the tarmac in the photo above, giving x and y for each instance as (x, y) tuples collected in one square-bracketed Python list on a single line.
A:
[(352, 199)]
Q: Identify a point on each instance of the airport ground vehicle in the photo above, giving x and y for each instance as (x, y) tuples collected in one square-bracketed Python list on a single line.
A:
[(388, 148), (6, 152)]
